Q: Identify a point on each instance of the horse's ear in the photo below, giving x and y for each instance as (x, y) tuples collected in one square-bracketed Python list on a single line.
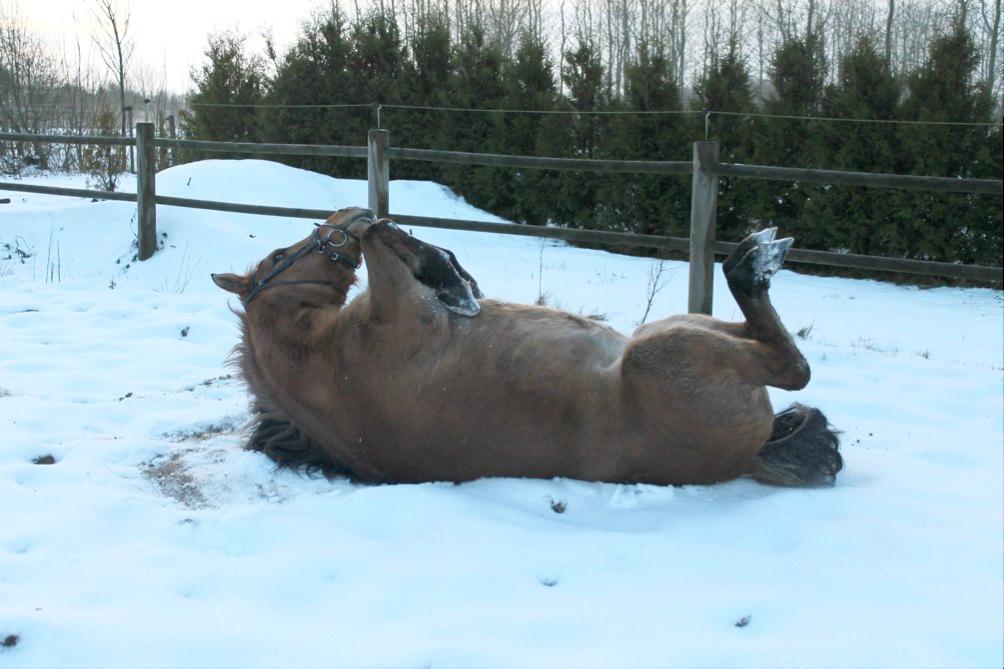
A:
[(439, 271), (233, 283)]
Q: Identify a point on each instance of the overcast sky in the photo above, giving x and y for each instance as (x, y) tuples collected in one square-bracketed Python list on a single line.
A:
[(170, 35)]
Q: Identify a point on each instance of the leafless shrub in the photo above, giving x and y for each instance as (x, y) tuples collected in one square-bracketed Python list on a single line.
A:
[(658, 278)]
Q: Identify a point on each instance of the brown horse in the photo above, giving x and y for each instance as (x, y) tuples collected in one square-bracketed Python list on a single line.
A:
[(417, 379)]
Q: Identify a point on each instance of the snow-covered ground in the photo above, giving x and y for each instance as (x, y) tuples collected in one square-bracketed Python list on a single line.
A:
[(154, 540)]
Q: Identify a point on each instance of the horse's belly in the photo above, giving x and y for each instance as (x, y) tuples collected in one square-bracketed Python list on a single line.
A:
[(499, 427)]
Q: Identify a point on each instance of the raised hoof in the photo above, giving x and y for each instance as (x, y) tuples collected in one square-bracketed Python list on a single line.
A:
[(752, 274), (751, 241)]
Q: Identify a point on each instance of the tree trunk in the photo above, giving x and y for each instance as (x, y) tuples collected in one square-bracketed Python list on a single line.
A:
[(992, 64), (888, 33)]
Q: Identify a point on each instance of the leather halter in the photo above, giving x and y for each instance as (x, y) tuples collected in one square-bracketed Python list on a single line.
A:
[(317, 243)]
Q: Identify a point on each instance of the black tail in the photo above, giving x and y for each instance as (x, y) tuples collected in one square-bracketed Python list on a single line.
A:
[(801, 452)]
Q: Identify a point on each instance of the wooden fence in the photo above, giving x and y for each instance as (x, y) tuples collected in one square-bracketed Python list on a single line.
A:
[(704, 168)]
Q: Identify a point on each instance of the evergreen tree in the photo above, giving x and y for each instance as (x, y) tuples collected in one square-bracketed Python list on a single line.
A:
[(528, 82), (315, 72), (644, 203), (862, 220), (231, 78), (943, 226), (476, 84), (798, 75), (378, 62), (726, 87), (576, 195), (426, 84)]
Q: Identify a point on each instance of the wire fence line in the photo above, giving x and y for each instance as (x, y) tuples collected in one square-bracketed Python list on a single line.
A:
[(596, 112)]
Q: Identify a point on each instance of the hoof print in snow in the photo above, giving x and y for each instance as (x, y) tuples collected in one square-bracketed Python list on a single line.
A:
[(44, 460), (744, 621), (184, 330), (549, 582), (558, 505), (9, 641)]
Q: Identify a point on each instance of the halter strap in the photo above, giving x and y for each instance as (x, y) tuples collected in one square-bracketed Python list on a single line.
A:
[(318, 244)]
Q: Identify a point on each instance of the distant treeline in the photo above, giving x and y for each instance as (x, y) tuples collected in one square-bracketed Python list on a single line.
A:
[(368, 59)]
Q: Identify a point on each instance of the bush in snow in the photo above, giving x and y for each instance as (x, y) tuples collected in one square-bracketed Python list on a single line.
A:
[(104, 164)]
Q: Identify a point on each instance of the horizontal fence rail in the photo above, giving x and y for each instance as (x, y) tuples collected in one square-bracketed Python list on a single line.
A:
[(94, 140), (867, 179), (564, 234), (378, 153), (236, 208), (622, 239), (883, 264), (70, 192)]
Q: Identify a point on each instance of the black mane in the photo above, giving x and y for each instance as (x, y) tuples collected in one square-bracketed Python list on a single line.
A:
[(271, 431)]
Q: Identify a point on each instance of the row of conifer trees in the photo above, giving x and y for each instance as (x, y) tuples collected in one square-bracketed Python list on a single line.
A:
[(366, 60)]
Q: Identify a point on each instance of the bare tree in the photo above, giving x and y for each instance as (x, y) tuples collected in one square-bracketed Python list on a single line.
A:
[(888, 31), (115, 45), (658, 278), (992, 29), (30, 79)]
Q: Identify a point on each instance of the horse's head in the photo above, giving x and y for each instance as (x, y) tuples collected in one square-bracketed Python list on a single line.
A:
[(315, 272)]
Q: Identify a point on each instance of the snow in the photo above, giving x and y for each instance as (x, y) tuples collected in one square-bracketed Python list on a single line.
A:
[(154, 540)]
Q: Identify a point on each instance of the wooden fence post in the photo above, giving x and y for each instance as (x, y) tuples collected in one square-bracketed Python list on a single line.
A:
[(378, 172), (146, 190), (703, 212)]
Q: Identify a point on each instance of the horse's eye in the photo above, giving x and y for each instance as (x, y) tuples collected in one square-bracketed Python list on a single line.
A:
[(277, 258)]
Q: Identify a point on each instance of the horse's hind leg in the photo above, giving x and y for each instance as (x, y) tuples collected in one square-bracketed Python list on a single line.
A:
[(748, 271)]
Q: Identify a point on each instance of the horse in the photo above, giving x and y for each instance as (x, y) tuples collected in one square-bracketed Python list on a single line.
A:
[(420, 378)]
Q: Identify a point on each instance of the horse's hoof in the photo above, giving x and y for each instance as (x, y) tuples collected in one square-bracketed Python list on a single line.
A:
[(752, 274), (762, 237), (742, 248)]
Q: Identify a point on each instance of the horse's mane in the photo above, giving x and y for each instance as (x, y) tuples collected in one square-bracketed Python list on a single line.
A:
[(272, 432)]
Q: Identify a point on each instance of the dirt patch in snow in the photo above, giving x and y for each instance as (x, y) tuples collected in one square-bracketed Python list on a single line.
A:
[(171, 475)]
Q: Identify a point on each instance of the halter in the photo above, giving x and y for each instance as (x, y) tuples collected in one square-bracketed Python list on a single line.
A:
[(317, 243)]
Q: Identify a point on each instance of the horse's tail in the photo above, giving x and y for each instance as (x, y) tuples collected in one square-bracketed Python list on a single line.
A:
[(802, 450)]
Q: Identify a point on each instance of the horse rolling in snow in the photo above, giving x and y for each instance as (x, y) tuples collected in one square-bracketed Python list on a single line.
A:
[(417, 379)]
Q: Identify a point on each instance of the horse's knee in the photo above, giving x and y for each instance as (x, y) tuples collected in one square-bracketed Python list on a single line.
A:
[(798, 373)]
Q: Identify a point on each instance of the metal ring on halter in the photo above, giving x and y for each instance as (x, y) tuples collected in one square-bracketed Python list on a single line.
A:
[(327, 240)]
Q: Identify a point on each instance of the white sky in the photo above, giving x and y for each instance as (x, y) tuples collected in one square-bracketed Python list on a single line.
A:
[(170, 35)]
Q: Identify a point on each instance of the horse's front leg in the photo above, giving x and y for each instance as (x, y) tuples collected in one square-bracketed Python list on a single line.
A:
[(393, 291), (406, 273)]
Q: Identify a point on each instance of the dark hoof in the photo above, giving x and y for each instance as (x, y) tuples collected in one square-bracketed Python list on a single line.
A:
[(751, 275), (754, 240)]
